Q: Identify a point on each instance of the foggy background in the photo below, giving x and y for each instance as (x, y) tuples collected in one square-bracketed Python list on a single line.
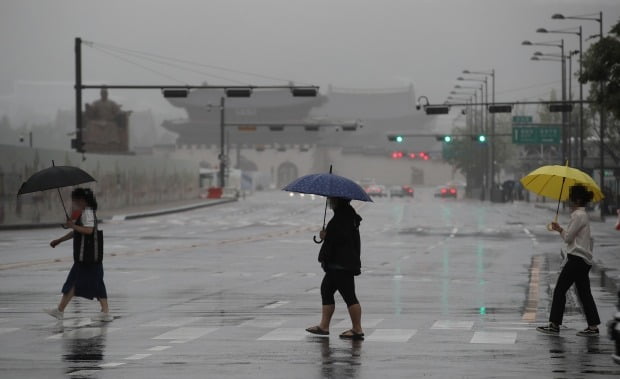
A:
[(349, 44)]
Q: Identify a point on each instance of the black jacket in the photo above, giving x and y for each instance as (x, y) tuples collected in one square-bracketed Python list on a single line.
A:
[(341, 247)]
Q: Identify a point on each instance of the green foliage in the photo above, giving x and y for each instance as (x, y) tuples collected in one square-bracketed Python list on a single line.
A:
[(601, 64)]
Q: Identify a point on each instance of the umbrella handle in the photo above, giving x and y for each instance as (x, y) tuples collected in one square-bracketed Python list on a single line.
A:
[(317, 240)]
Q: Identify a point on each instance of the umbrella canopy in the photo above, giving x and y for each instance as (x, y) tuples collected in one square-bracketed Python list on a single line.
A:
[(555, 182), (55, 177), (328, 185)]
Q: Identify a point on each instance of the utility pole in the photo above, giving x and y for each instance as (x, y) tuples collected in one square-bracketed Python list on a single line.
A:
[(222, 137), (78, 143)]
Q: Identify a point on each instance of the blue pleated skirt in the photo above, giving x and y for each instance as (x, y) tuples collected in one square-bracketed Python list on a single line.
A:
[(87, 280)]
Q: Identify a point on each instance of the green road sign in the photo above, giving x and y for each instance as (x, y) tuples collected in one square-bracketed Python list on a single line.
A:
[(522, 119), (529, 135)]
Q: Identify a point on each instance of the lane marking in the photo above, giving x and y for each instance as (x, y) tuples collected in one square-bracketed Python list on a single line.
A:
[(172, 321), (531, 302), (263, 323), (391, 335), (503, 338), (452, 324), (531, 235), (146, 279), (278, 275), (366, 323), (168, 249), (136, 357), (285, 334), (159, 348), (111, 364), (276, 304), (184, 334), (7, 330)]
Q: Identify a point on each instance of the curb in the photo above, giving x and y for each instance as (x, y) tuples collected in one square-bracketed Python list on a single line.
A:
[(160, 212), (130, 216)]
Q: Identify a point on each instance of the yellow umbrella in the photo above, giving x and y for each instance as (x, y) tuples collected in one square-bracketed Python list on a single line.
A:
[(555, 182)]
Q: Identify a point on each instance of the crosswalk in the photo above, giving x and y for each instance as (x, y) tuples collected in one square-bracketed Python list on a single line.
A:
[(180, 330)]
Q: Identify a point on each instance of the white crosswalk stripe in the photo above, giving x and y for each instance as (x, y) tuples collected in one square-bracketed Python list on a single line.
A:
[(391, 335), (505, 338)]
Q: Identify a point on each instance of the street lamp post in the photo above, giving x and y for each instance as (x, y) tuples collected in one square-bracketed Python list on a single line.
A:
[(599, 19), (580, 34), (222, 137), (491, 143), (563, 61)]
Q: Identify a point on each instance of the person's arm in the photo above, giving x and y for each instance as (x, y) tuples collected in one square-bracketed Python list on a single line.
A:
[(80, 229), (574, 226), (62, 239)]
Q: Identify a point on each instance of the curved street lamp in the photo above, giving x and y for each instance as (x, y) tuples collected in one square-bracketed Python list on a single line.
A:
[(599, 19), (491, 144), (578, 32), (562, 57)]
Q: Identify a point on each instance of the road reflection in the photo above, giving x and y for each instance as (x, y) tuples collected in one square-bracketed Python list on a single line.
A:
[(340, 360), (83, 349)]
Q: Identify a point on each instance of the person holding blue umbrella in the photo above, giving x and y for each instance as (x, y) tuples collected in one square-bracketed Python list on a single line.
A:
[(340, 253), (340, 259)]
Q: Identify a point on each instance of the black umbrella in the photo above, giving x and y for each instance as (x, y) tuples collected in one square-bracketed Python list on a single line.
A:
[(55, 177)]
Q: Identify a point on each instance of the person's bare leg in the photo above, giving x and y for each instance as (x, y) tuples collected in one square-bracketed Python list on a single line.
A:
[(66, 298), (104, 305), (355, 312), (326, 316)]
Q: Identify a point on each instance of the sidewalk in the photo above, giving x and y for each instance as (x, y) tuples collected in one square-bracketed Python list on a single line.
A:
[(606, 244), (136, 212)]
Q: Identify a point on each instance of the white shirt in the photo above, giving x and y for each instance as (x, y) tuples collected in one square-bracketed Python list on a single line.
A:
[(577, 235), (88, 218)]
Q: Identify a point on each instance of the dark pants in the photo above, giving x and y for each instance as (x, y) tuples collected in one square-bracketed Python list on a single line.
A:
[(341, 281), (575, 271)]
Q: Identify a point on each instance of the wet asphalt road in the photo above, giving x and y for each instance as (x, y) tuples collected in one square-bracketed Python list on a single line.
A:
[(450, 289)]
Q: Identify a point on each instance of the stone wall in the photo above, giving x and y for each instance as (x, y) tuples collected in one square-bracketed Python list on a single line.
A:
[(122, 181)]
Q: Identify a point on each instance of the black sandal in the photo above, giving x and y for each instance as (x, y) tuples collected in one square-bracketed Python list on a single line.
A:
[(317, 330), (351, 335)]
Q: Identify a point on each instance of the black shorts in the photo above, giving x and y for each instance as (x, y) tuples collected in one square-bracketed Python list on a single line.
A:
[(341, 281)]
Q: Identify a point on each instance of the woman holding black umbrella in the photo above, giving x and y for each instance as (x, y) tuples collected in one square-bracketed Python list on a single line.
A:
[(340, 259), (84, 279)]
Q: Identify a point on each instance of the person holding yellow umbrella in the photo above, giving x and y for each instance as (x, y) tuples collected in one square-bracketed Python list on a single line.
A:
[(566, 183), (578, 263)]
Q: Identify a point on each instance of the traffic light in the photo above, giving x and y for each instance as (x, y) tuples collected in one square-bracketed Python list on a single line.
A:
[(500, 108), (560, 107), (446, 139), (437, 109), (482, 138), (396, 138)]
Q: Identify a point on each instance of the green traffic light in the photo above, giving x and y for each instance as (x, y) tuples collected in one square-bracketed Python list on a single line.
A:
[(447, 139), (482, 138), (399, 139)]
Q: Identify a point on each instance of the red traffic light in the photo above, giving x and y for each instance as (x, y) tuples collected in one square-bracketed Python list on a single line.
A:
[(397, 155)]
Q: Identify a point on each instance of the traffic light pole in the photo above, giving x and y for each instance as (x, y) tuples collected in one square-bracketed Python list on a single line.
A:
[(79, 143)]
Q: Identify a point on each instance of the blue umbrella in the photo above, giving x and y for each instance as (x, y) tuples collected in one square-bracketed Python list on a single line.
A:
[(328, 185)]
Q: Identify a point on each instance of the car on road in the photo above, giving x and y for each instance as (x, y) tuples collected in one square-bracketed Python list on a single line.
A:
[(376, 190), (446, 191), (401, 191)]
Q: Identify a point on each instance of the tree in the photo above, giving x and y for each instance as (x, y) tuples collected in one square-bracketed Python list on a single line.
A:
[(601, 66)]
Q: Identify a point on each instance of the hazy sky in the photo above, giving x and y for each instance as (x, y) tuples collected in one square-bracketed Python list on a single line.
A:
[(348, 43)]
